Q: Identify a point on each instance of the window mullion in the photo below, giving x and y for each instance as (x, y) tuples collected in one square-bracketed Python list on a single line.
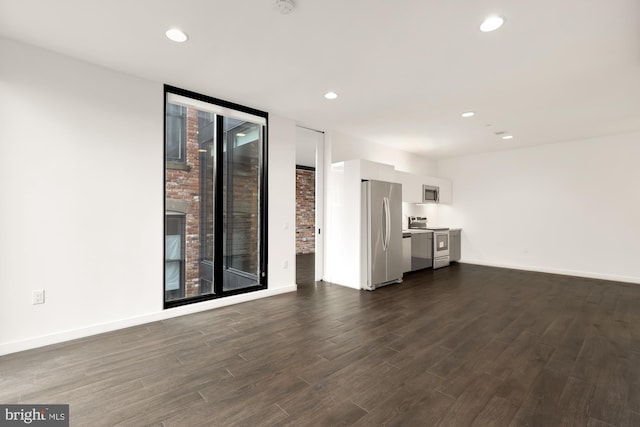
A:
[(218, 262)]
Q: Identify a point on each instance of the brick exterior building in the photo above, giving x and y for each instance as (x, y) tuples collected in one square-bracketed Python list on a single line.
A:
[(183, 195)]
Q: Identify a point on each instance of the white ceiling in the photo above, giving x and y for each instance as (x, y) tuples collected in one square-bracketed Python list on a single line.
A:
[(557, 70)]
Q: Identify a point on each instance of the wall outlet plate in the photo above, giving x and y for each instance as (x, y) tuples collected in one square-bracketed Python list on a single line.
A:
[(37, 297)]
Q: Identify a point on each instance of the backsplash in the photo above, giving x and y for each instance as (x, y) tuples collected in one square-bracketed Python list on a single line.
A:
[(413, 209)]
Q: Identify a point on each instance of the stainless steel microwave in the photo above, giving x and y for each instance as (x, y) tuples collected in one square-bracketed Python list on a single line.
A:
[(430, 194)]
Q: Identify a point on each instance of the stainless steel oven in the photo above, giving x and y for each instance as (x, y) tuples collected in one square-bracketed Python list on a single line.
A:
[(440, 247), (440, 240)]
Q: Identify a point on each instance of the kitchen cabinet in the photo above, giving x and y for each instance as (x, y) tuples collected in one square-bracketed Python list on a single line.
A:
[(406, 254), (374, 170), (455, 244), (412, 187), (421, 250)]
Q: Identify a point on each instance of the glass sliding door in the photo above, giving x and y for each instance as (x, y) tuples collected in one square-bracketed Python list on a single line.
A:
[(241, 203), (214, 182)]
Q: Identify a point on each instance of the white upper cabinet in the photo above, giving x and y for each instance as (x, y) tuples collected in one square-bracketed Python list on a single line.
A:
[(411, 183), (375, 171), (412, 187)]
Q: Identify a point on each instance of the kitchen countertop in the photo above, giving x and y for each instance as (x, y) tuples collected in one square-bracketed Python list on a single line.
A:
[(417, 230)]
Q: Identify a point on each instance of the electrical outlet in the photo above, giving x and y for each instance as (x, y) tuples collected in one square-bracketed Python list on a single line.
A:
[(37, 297), (285, 264)]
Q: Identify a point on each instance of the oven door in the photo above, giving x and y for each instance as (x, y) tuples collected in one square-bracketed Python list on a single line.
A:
[(440, 244)]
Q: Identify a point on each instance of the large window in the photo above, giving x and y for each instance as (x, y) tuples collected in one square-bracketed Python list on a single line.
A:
[(215, 199), (219, 195)]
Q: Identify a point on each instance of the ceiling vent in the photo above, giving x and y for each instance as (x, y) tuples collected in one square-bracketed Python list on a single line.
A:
[(285, 6)]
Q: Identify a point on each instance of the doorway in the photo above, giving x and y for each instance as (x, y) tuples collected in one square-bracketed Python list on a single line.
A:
[(309, 205)]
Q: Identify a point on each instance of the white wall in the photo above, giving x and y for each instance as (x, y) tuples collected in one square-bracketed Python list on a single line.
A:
[(346, 147), (306, 141), (569, 208), (81, 184), (282, 203), (342, 256)]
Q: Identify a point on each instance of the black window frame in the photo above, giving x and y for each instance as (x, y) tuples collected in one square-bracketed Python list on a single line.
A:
[(263, 199)]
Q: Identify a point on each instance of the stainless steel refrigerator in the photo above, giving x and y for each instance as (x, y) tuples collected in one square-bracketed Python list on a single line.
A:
[(382, 233)]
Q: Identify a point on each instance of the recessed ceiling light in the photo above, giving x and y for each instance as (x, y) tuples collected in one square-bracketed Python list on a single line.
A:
[(176, 35), (507, 137), (491, 23), (240, 134), (331, 95), (468, 114), (285, 6)]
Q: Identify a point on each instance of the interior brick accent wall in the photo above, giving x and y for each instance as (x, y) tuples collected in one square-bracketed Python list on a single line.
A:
[(305, 211)]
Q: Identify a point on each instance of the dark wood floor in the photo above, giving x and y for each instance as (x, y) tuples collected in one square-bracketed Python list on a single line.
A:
[(459, 346), (305, 269)]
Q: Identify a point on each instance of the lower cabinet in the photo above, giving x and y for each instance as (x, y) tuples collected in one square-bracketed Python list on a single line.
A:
[(421, 251), (406, 254), (455, 241)]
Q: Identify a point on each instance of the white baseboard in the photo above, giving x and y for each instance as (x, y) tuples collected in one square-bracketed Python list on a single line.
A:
[(58, 337), (564, 272)]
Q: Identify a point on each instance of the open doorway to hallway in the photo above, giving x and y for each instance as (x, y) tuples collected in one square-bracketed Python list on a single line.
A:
[(309, 205), (305, 223)]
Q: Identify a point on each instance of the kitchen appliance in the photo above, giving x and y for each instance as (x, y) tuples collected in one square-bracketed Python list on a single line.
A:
[(382, 233), (440, 247), (418, 222), (440, 240), (430, 194)]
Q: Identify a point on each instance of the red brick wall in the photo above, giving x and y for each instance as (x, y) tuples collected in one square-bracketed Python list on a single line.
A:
[(305, 211), (185, 186)]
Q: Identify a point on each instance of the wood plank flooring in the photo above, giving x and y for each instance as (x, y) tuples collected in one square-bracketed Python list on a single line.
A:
[(459, 346)]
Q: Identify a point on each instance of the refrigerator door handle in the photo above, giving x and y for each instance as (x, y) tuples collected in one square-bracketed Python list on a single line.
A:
[(384, 222), (387, 223)]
